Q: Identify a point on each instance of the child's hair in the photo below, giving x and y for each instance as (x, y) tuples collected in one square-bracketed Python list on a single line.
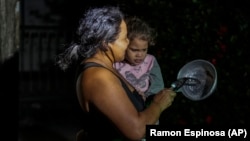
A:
[(137, 28)]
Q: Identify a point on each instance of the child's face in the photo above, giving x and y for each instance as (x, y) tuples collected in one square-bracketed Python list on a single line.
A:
[(136, 51)]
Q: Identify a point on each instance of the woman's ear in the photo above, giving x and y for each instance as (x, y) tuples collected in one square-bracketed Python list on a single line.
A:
[(109, 45), (105, 46)]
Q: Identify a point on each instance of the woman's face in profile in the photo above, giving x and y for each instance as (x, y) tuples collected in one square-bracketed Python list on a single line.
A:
[(120, 45)]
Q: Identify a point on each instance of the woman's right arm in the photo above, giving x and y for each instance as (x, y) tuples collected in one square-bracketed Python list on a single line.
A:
[(107, 94)]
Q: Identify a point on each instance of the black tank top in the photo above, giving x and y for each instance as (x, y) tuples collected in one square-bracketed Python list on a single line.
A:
[(98, 124)]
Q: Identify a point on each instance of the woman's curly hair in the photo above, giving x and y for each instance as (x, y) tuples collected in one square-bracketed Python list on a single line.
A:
[(97, 27)]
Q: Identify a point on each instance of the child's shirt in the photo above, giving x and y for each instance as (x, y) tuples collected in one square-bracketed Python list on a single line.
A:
[(145, 77)]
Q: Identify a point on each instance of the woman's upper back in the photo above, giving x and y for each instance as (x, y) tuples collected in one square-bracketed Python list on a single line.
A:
[(98, 82), (106, 98)]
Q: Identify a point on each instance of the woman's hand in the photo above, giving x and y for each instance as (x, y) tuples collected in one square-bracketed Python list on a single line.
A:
[(164, 98)]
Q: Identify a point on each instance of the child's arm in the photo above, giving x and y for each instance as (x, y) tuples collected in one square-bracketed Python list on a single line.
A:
[(156, 79)]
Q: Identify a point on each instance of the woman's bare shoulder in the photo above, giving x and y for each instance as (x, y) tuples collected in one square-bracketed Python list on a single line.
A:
[(96, 79), (100, 74)]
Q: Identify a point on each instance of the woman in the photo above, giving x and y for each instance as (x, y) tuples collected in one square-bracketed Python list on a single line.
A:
[(114, 107)]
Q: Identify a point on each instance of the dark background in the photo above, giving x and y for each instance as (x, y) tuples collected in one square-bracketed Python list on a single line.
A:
[(216, 31)]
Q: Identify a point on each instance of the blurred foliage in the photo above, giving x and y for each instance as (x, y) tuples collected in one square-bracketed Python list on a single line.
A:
[(214, 30)]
